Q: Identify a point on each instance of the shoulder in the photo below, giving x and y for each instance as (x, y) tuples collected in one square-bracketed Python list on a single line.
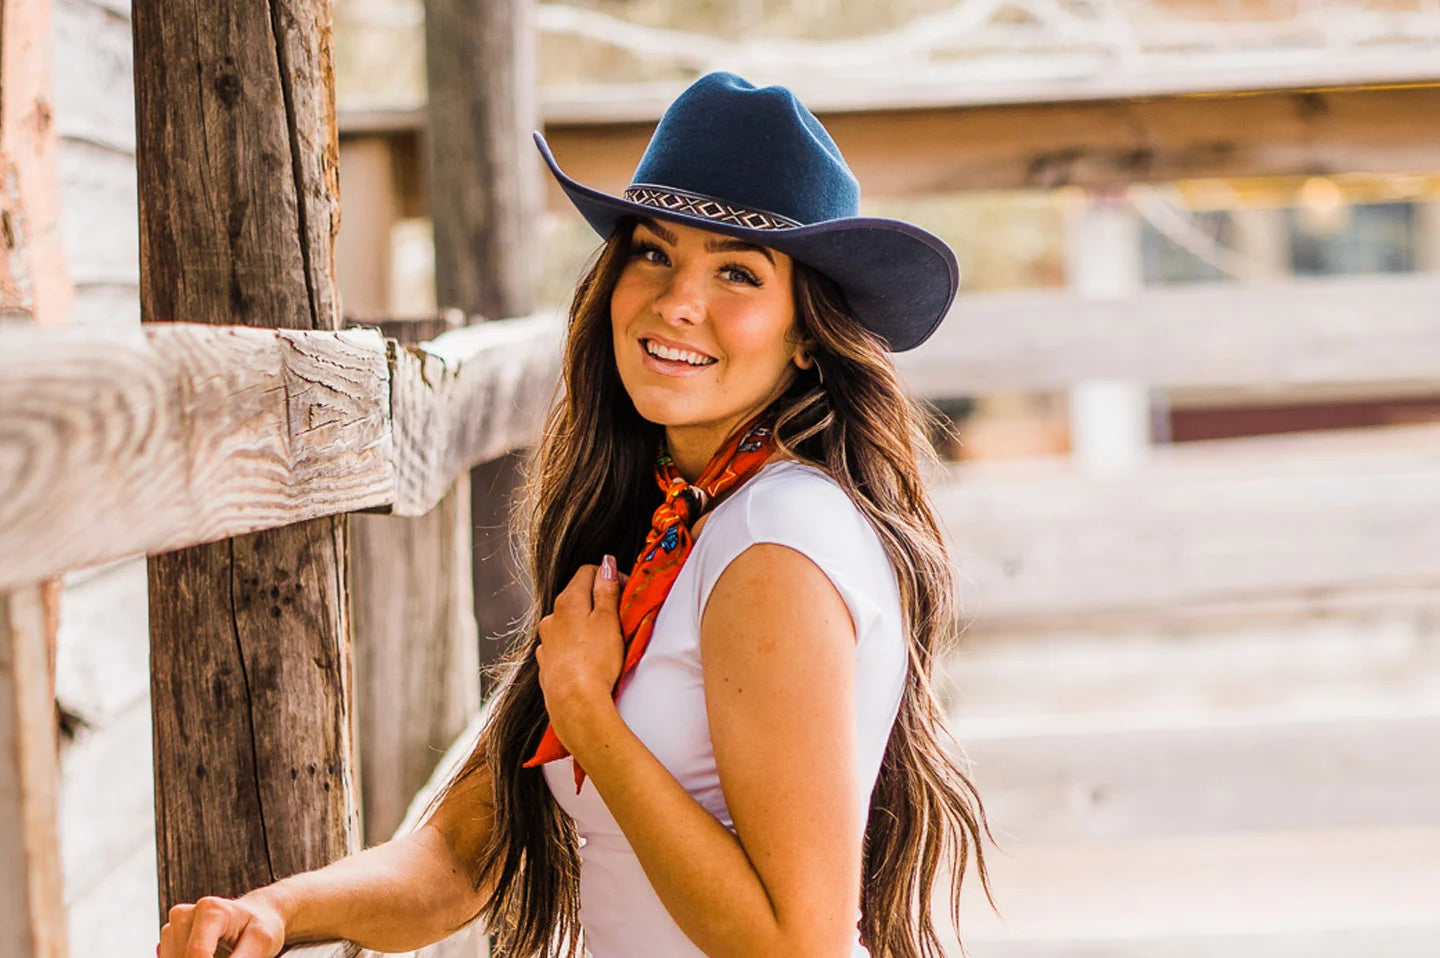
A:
[(803, 508), (795, 502), (790, 486)]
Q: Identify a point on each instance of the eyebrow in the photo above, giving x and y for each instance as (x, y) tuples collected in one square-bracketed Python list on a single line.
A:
[(714, 244)]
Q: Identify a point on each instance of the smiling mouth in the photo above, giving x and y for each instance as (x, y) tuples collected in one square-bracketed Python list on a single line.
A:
[(675, 357)]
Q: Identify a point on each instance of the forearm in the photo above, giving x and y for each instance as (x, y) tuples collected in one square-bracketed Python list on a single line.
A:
[(697, 866), (397, 896)]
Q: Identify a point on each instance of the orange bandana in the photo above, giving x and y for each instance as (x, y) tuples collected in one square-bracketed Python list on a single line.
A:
[(666, 548)]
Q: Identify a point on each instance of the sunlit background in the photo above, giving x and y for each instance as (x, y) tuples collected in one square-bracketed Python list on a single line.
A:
[(1192, 473)]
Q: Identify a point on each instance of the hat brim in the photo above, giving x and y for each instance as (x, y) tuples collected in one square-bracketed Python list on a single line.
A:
[(898, 279)]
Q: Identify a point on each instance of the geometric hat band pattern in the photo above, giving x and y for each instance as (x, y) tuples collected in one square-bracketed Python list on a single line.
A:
[(697, 204)]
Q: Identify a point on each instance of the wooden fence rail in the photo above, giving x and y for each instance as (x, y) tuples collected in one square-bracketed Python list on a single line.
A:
[(178, 434), (1263, 336)]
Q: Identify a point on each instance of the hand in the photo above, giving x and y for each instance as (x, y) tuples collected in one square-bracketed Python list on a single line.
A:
[(248, 927), (581, 648)]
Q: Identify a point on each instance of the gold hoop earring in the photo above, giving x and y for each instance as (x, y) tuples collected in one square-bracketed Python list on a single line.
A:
[(818, 370)]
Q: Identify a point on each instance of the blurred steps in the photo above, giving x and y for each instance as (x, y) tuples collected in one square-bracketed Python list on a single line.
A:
[(1360, 891), (1267, 792)]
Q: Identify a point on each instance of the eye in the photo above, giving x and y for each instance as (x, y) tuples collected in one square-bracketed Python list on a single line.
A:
[(642, 249), (743, 275)]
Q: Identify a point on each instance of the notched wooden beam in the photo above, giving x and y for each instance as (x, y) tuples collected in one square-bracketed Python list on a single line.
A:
[(466, 397), (176, 434)]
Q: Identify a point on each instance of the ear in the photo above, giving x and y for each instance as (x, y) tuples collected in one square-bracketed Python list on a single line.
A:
[(804, 354)]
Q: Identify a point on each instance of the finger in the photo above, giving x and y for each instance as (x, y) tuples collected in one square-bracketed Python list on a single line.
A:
[(606, 590), (176, 932), (579, 585), (584, 585), (213, 921), (256, 941)]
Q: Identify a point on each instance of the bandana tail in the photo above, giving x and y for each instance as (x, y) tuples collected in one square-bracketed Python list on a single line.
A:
[(548, 750)]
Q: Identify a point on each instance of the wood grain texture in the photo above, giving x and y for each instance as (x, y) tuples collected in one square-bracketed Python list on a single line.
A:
[(469, 942), (34, 282), (116, 442), (151, 439), (237, 162), (1202, 525), (34, 288), (417, 665), (467, 397), (486, 204), (484, 184), (254, 775), (32, 909), (1305, 332)]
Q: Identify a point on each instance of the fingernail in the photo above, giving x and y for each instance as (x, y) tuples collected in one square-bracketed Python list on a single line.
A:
[(607, 567)]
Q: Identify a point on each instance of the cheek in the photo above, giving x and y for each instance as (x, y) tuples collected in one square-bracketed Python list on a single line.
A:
[(756, 333), (626, 297)]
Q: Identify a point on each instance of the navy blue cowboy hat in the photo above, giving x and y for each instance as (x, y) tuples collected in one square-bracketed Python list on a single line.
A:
[(756, 164)]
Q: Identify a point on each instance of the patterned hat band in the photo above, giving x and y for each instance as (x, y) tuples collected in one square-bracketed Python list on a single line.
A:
[(697, 204)]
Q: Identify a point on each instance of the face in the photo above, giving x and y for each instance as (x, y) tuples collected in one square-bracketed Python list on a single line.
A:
[(722, 310)]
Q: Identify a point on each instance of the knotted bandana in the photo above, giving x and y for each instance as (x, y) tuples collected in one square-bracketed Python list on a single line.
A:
[(667, 546)]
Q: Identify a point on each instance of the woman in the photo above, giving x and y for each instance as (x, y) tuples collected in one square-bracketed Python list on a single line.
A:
[(742, 729)]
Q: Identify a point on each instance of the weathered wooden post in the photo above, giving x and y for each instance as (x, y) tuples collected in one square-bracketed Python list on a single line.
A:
[(485, 203), (34, 287), (416, 657), (250, 652)]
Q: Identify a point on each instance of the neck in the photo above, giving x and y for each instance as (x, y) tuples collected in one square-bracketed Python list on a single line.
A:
[(692, 452)]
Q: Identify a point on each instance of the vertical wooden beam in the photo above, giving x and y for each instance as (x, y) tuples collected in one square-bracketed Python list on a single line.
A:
[(485, 202), (1427, 235), (417, 681), (1110, 419), (32, 901), (362, 250), (237, 158), (34, 287), (1262, 242)]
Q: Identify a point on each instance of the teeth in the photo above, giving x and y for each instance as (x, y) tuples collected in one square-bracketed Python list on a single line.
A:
[(665, 352)]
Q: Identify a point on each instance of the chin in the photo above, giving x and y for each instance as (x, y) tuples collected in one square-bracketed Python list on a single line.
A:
[(663, 413)]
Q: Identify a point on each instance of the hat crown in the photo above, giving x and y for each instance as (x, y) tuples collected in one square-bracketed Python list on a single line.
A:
[(755, 148)]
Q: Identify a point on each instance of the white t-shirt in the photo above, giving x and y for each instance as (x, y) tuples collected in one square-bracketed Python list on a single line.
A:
[(663, 699)]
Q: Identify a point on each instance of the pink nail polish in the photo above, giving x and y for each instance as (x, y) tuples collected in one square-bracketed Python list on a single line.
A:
[(607, 567)]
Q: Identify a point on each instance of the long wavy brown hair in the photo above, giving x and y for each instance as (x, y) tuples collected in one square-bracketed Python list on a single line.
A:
[(589, 489)]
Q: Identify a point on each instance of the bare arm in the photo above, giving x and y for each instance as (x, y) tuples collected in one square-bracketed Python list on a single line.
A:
[(778, 654), (397, 896), (402, 894)]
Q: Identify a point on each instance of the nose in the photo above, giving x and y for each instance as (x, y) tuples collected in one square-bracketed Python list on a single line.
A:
[(681, 298)]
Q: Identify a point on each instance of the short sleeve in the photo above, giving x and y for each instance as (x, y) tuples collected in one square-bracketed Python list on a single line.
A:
[(808, 512)]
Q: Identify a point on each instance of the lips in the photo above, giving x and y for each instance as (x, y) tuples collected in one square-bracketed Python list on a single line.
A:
[(668, 367), (669, 344), (653, 345)]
